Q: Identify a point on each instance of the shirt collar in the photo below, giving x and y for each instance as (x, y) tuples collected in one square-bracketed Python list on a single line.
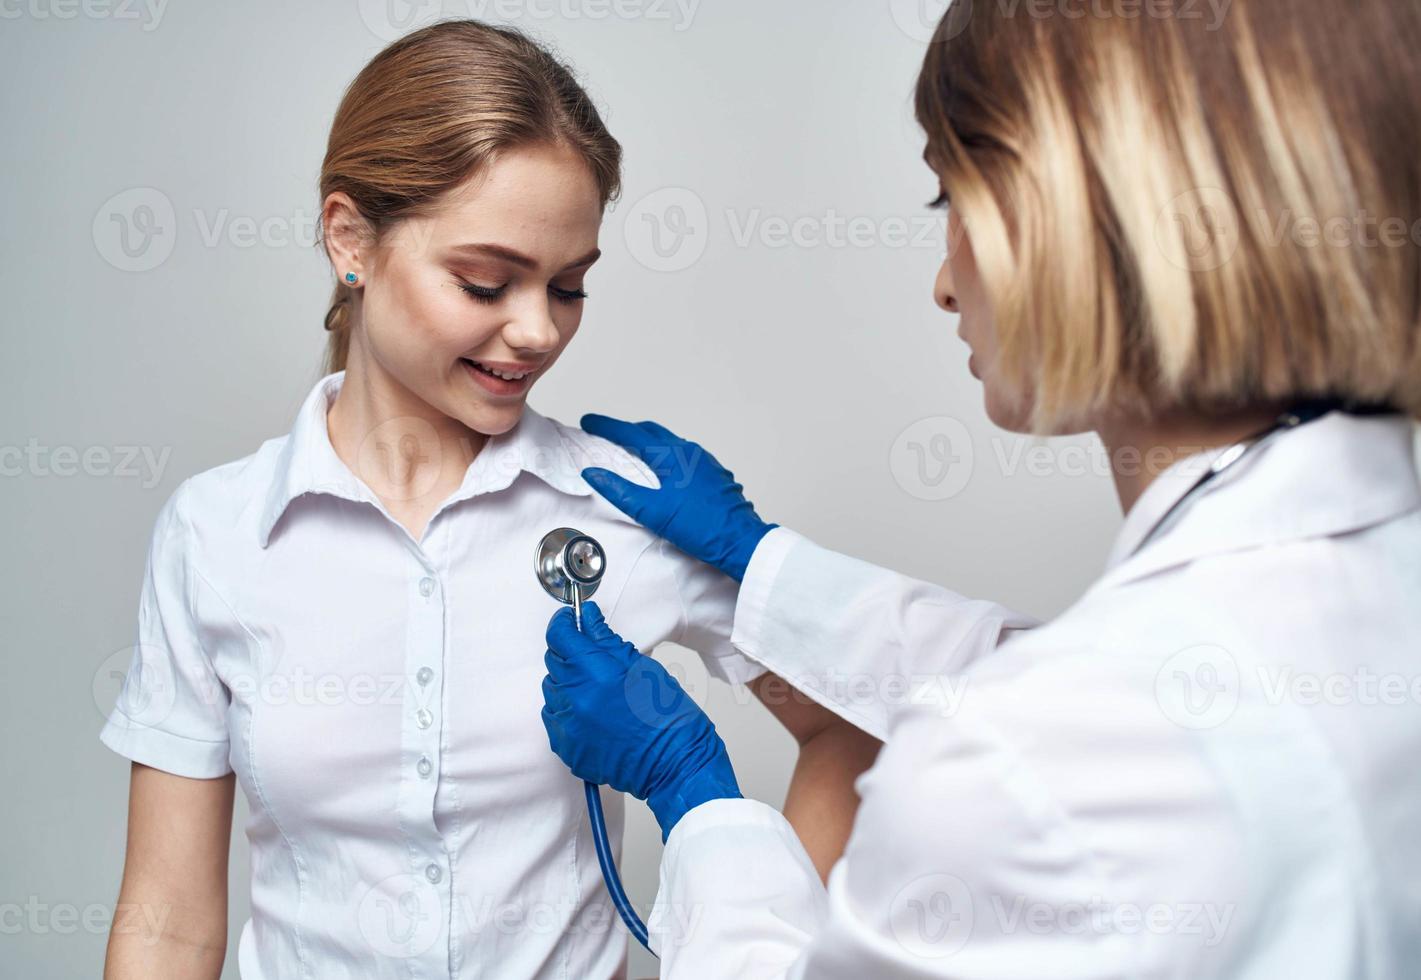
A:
[(1336, 474), (308, 463)]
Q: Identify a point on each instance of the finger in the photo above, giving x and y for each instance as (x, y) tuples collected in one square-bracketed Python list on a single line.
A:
[(649, 442), (630, 498), (628, 435), (595, 625), (596, 628), (553, 726), (555, 699), (658, 431), (565, 641), (557, 665)]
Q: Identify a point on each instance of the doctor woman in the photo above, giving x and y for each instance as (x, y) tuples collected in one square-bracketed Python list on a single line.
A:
[(1207, 766)]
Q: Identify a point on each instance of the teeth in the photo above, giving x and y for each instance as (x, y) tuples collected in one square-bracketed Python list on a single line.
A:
[(505, 375)]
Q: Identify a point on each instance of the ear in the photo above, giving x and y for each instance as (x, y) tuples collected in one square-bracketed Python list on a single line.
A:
[(346, 234)]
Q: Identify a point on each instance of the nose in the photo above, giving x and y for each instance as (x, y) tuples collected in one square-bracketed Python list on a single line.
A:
[(944, 289), (533, 329)]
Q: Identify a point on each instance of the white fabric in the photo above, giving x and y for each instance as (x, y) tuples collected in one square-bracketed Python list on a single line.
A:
[(295, 660), (1205, 768)]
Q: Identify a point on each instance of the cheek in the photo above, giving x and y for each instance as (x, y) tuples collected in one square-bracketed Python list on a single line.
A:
[(977, 324), (567, 319), (426, 313), (1007, 406)]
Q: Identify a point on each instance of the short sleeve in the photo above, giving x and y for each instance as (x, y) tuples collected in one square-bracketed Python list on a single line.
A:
[(708, 599), (171, 712)]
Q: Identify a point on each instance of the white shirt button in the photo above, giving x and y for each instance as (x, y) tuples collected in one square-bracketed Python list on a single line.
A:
[(424, 766), (426, 586), (424, 675), (424, 717), (433, 873)]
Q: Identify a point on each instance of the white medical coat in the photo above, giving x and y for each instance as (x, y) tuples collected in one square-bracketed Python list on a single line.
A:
[(1209, 766)]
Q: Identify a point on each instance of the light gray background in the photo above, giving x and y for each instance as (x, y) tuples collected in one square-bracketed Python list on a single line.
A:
[(792, 332)]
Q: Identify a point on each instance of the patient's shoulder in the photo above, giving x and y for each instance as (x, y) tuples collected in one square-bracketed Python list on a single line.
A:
[(589, 450)]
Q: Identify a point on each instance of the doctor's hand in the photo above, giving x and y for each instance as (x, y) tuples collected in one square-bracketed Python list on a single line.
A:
[(699, 507), (616, 717)]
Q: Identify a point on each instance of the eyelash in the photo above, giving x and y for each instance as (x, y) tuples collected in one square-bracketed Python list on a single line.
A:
[(486, 294), (941, 201)]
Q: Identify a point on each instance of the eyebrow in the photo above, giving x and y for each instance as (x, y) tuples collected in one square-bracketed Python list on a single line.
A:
[(518, 258)]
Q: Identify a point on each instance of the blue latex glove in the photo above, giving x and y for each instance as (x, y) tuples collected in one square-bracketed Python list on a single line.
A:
[(617, 718), (699, 507)]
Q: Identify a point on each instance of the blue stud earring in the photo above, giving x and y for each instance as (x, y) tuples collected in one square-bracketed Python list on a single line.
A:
[(351, 277)]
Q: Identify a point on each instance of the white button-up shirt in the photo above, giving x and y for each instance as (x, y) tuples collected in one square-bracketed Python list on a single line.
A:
[(1206, 767), (379, 699)]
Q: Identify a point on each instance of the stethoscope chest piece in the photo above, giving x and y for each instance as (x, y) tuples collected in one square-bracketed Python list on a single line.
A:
[(570, 565)]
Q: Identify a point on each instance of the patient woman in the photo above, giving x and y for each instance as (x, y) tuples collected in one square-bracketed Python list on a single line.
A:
[(347, 620)]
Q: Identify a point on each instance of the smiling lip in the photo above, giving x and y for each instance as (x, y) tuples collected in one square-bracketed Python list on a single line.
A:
[(495, 385)]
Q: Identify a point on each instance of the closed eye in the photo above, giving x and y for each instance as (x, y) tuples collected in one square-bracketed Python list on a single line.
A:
[(567, 295), (492, 294), (941, 201), (484, 294)]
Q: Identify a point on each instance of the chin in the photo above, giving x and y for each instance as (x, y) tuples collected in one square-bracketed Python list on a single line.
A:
[(1011, 414), (494, 420), (486, 417)]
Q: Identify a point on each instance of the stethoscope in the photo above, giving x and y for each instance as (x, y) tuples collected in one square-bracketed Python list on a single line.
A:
[(570, 566), (1299, 414)]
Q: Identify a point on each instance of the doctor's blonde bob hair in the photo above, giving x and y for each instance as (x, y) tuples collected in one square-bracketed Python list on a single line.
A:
[(1175, 213)]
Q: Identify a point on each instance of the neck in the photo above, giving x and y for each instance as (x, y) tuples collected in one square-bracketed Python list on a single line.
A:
[(402, 447), (1140, 450)]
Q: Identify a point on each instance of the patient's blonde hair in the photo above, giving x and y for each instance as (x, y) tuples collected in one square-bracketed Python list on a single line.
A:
[(1172, 213)]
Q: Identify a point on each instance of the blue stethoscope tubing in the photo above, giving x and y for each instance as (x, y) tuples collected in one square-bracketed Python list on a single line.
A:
[(603, 846), (609, 867)]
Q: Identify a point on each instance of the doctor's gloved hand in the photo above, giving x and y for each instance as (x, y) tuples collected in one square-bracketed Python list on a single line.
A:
[(699, 507), (617, 718)]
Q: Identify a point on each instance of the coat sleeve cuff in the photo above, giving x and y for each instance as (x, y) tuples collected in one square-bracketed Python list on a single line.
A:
[(754, 611), (733, 869)]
